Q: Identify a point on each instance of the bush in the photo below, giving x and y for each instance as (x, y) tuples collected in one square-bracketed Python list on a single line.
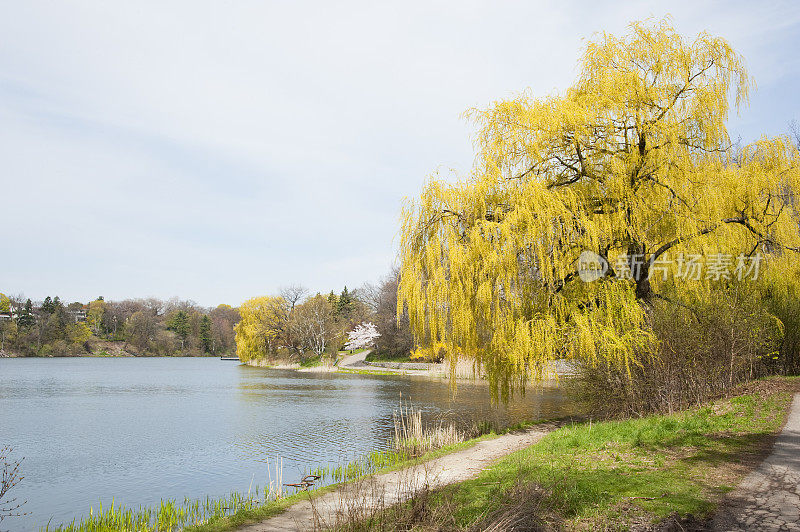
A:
[(781, 299), (705, 349), (396, 339), (435, 353), (9, 477), (165, 343), (60, 348)]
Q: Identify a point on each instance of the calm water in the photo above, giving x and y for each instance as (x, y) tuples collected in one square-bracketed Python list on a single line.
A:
[(142, 429)]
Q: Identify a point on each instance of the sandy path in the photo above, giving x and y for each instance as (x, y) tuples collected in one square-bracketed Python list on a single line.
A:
[(769, 497), (389, 488), (356, 360)]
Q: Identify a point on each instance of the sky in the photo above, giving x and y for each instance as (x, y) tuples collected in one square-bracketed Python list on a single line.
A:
[(218, 150)]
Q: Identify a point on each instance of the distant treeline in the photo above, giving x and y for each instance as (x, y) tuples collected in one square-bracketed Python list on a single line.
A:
[(292, 325), (149, 327), (296, 326)]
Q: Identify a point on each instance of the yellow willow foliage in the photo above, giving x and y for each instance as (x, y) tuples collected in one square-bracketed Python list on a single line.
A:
[(263, 321), (5, 303), (634, 158), (79, 332)]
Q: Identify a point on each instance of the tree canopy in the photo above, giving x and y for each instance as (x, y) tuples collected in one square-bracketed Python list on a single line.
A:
[(262, 322), (633, 162)]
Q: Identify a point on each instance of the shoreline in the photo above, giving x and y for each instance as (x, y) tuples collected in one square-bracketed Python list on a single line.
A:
[(463, 372), (643, 466), (108, 355), (655, 467), (360, 368)]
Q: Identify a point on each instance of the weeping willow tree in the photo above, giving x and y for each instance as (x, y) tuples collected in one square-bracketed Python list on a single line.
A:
[(262, 324), (634, 163)]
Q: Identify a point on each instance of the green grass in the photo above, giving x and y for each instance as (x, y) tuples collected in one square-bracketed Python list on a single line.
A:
[(311, 362), (245, 516), (205, 515), (169, 515), (375, 357), (592, 473)]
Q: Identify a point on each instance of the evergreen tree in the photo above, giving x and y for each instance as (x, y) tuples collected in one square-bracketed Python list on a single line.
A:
[(58, 322), (333, 299), (47, 305), (344, 305), (180, 324), (205, 334), (26, 318)]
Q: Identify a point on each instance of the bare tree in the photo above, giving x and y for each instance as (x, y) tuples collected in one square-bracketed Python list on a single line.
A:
[(370, 295), (9, 506), (293, 294), (314, 324), (174, 304), (223, 320), (140, 330), (395, 338)]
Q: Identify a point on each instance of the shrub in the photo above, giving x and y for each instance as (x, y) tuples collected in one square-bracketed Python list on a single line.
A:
[(705, 349), (781, 299)]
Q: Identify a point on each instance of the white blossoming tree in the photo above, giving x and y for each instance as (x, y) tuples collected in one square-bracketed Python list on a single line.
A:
[(364, 335)]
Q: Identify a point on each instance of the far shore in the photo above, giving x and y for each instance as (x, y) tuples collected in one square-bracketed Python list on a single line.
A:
[(356, 364), (125, 354)]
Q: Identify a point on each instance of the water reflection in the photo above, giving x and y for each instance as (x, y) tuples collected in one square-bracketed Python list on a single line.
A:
[(139, 430)]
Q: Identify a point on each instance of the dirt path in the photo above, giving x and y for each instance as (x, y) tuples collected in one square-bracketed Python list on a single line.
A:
[(383, 490), (354, 361), (769, 497)]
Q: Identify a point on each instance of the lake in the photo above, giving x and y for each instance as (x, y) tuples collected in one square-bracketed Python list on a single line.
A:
[(141, 429)]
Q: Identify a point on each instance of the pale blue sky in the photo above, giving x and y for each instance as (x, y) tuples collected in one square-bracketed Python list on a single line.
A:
[(216, 150)]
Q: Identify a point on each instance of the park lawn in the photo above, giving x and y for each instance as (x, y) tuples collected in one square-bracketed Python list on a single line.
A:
[(615, 474)]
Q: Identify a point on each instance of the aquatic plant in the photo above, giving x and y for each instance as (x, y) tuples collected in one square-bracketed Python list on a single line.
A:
[(170, 515), (410, 439)]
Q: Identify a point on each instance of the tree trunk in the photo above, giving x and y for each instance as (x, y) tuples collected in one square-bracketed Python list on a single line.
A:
[(640, 270)]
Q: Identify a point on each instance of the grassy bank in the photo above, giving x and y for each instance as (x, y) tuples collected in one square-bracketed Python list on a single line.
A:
[(344, 473), (613, 475), (411, 446)]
